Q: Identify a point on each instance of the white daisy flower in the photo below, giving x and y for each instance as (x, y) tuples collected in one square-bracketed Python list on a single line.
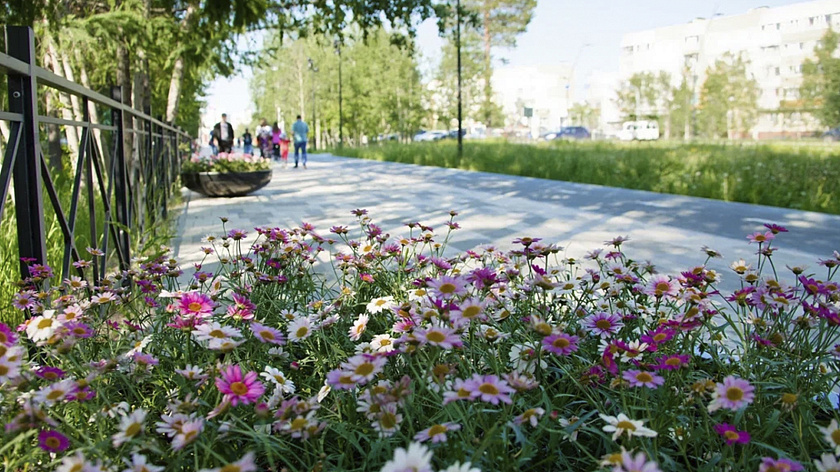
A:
[(299, 329), (417, 458), (359, 327), (378, 305), (382, 343), (277, 377), (41, 328), (130, 427), (621, 424)]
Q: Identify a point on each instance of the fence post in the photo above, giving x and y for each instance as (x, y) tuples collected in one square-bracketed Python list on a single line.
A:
[(121, 184), (29, 204)]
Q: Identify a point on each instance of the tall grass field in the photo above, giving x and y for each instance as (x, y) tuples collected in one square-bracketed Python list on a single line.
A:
[(802, 176)]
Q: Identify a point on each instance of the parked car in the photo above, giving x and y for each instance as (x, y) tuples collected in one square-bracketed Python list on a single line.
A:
[(639, 131), (453, 134), (430, 136), (573, 132), (832, 135)]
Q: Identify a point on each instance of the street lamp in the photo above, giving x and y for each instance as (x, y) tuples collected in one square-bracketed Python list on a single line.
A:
[(458, 48), (314, 120), (337, 45)]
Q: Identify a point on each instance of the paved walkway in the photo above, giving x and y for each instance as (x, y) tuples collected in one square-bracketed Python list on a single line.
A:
[(667, 229)]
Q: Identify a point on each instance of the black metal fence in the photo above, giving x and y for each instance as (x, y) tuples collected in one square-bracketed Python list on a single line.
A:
[(128, 191)]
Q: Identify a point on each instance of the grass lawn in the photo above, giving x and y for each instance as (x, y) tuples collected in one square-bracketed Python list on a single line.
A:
[(802, 176)]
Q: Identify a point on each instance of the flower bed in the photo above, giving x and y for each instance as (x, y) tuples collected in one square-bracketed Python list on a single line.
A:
[(489, 360), (225, 162)]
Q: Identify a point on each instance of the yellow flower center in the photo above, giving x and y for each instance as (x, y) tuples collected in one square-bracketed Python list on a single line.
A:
[(662, 287), (346, 380), (437, 429), (644, 377), (470, 311), (230, 468), (734, 394), (301, 332), (673, 361), (603, 324), (789, 398), (55, 394), (133, 430), (488, 389), (626, 425), (435, 336), (52, 442), (194, 306), (4, 369), (267, 335), (730, 435), (45, 323), (835, 436), (388, 420), (447, 288), (659, 337), (239, 388), (385, 342), (217, 333), (298, 423), (463, 393), (561, 343), (364, 369), (380, 302), (3, 338)]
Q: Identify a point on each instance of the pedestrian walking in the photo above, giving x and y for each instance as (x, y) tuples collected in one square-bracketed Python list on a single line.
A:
[(275, 141), (299, 131), (212, 142), (223, 131), (264, 138), (247, 142)]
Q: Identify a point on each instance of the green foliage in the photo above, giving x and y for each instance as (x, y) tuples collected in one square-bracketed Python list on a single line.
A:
[(799, 176), (645, 95), (583, 114), (728, 99), (820, 88), (380, 85)]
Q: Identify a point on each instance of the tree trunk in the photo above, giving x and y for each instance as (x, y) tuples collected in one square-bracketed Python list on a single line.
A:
[(487, 66), (53, 135), (66, 107), (178, 72), (301, 100)]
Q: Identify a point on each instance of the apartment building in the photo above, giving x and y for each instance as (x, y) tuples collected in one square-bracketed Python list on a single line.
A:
[(776, 41), (547, 90)]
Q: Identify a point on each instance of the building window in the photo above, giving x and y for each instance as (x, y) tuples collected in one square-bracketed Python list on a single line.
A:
[(778, 72)]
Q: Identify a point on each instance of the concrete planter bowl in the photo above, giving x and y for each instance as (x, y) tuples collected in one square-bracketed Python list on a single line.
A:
[(226, 184)]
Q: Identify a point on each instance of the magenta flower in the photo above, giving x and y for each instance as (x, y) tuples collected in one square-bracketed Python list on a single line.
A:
[(489, 388), (440, 336), (195, 304), (460, 390), (266, 334), (242, 308), (603, 324), (732, 394), (759, 237), (561, 344), (672, 362), (660, 335), (448, 287), (238, 388), (49, 373), (768, 464), (775, 229), (732, 435), (52, 441), (660, 286), (7, 336), (341, 380), (640, 378)]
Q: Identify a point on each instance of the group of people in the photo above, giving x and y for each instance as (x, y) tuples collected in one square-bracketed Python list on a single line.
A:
[(271, 140)]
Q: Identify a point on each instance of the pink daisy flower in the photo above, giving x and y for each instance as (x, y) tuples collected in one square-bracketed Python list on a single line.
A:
[(659, 335), (238, 388), (266, 334), (439, 336), (437, 433), (52, 441), (732, 394), (759, 237), (661, 286), (460, 390), (341, 379), (490, 388), (242, 308), (603, 324), (7, 336), (732, 435), (561, 344), (195, 304), (448, 287), (672, 362), (640, 378), (768, 464), (364, 367), (50, 373), (639, 463)]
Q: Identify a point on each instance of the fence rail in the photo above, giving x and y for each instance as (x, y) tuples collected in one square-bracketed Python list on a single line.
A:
[(125, 168)]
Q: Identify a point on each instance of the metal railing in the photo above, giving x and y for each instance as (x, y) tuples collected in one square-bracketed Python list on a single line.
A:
[(130, 189)]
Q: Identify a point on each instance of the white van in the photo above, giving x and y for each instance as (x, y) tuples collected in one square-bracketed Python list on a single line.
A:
[(639, 130)]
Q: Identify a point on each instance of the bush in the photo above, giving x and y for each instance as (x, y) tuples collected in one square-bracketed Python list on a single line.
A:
[(225, 162), (507, 360)]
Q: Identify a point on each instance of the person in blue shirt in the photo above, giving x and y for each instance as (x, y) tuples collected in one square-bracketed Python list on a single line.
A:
[(299, 132), (247, 142)]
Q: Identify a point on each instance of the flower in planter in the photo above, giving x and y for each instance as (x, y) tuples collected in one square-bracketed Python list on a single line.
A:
[(603, 324), (640, 378), (621, 424), (732, 394)]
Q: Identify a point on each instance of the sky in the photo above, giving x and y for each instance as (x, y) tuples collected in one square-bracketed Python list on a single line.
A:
[(586, 34)]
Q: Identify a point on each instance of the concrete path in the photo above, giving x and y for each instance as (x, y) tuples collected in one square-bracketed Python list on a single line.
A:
[(666, 229)]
